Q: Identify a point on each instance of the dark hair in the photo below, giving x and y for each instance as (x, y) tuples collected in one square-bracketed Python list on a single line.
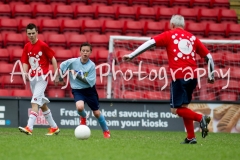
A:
[(86, 44), (31, 26)]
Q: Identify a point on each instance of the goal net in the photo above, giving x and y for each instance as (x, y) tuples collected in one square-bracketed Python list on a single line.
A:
[(148, 76)]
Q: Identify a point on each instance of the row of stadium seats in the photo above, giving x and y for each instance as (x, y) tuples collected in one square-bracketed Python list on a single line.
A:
[(98, 35), (51, 93), (155, 13), (121, 27), (11, 55), (164, 95), (150, 3), (222, 57)]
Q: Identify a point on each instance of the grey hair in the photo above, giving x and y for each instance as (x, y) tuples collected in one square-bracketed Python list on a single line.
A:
[(178, 21)]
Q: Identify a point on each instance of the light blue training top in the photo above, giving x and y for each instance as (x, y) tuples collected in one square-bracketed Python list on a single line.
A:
[(86, 70)]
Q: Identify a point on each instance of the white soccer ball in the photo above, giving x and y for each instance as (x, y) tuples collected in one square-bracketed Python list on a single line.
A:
[(82, 132)]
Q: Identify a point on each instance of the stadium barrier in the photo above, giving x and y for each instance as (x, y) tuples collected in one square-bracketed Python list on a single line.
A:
[(122, 114)]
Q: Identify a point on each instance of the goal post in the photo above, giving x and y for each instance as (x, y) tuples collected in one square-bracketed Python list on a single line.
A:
[(124, 82)]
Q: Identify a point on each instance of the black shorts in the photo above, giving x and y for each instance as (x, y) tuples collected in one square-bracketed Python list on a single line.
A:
[(88, 95), (181, 92)]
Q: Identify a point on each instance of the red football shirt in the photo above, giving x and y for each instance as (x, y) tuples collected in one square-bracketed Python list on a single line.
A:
[(182, 48), (37, 56)]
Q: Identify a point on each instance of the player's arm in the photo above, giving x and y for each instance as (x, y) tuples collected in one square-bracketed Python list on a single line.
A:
[(89, 79), (210, 64), (204, 53), (145, 46), (80, 76), (54, 63), (24, 61), (25, 70)]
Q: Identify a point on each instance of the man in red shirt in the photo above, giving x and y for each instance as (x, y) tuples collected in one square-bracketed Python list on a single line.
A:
[(182, 48), (35, 60)]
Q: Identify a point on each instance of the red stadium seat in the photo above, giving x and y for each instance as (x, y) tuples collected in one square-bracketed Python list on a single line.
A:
[(127, 2), (70, 25), (13, 39), (231, 58), (98, 40), (196, 28), (145, 13), (233, 30), (56, 93), (56, 40), (112, 26), (228, 15), (15, 54), (218, 58), (215, 29), (16, 83), (49, 25), (180, 3), (208, 15), (153, 28), (235, 74), (8, 25), (165, 13), (141, 2), (21, 93), (207, 96), (145, 84), (102, 93), (75, 40), (133, 95), (83, 11), (102, 56), (21, 10), (157, 95), (160, 3), (101, 84), (228, 96), (62, 55), (5, 93), (150, 57), (189, 13), (104, 11), (132, 27), (42, 10), (1, 41), (220, 3), (5, 10), (63, 11), (7, 69), (4, 56), (200, 3), (23, 22), (91, 26), (125, 12)]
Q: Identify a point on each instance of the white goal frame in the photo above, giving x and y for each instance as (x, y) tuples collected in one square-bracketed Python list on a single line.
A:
[(111, 48)]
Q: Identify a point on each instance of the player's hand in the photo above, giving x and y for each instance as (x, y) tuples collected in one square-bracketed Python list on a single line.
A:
[(126, 58), (26, 76), (212, 80), (56, 80)]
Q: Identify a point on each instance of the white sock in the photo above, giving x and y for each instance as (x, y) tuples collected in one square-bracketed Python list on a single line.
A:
[(48, 116), (31, 120)]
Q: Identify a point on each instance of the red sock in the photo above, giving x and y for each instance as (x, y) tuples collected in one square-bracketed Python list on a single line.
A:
[(189, 114), (188, 123)]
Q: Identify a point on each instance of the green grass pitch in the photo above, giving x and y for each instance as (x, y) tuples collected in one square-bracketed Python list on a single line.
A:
[(123, 145)]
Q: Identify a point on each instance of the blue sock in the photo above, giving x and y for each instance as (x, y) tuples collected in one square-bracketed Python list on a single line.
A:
[(102, 123), (82, 114)]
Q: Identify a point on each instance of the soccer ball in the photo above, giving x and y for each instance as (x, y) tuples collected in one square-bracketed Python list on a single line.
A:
[(82, 132)]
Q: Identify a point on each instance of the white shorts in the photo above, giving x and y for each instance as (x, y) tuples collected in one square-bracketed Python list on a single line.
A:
[(38, 86)]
